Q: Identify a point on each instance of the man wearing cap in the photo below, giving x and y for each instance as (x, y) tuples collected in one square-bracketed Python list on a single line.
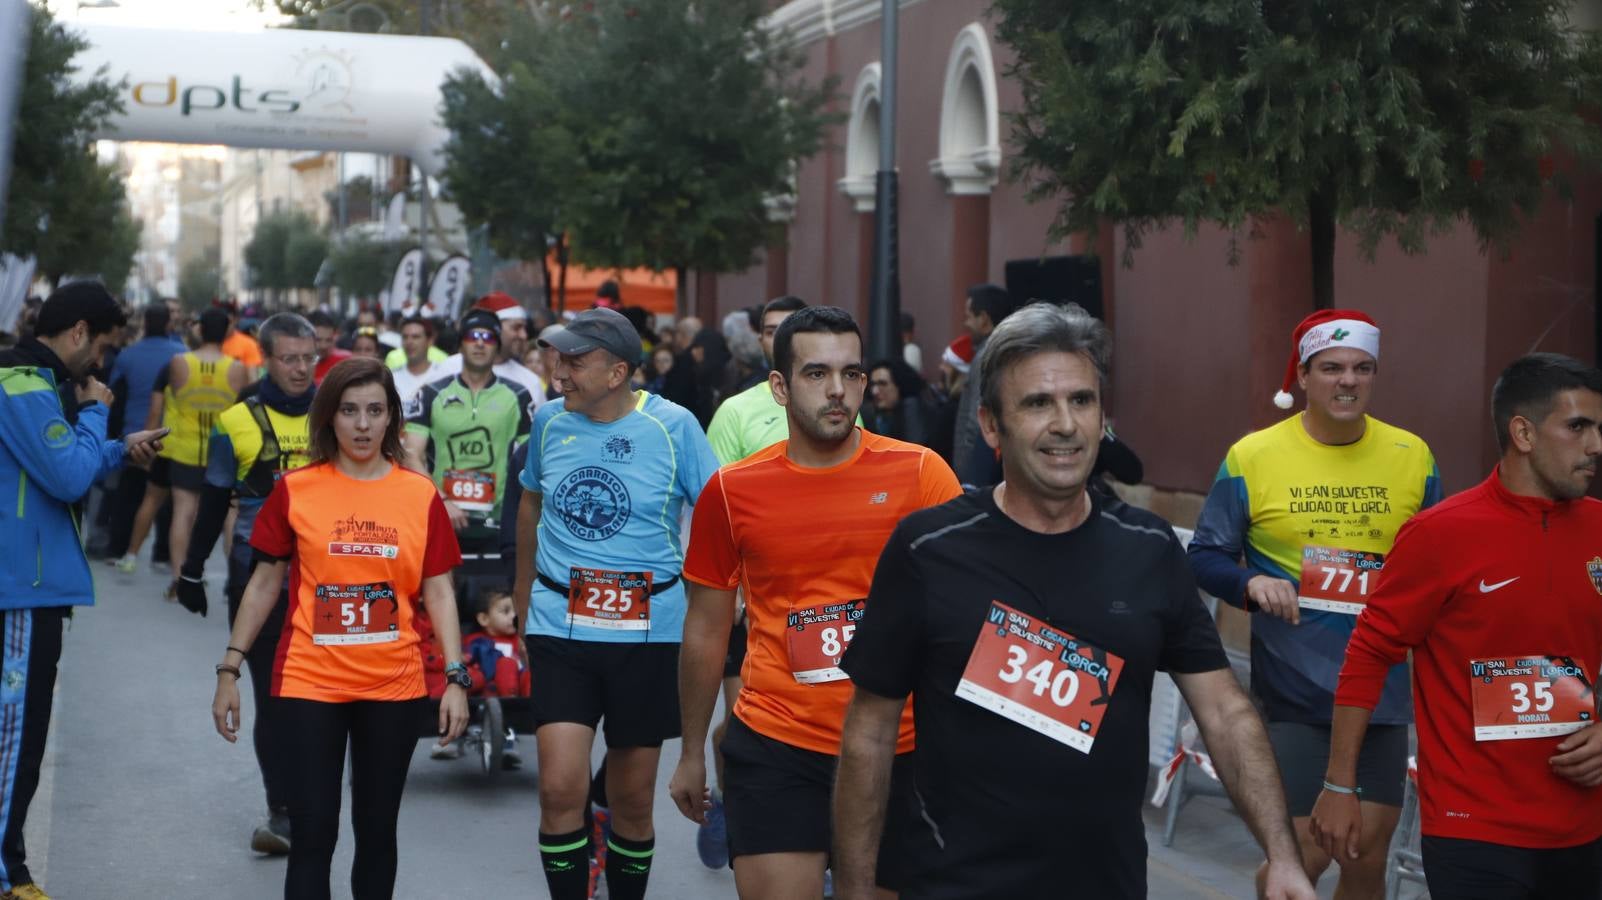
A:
[(474, 419), (1313, 504), (609, 472), (513, 344), (53, 446)]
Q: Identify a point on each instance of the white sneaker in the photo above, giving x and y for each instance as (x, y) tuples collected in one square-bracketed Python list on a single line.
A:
[(128, 564), (453, 750)]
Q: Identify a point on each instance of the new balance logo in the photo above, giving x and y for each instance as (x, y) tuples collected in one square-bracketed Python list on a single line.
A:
[(879, 497)]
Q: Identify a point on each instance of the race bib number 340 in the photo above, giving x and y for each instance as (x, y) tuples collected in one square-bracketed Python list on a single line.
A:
[(1336, 580), (1048, 681), (1521, 697)]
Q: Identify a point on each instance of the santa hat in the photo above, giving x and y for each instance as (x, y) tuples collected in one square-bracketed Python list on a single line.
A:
[(1322, 330), (502, 306), (959, 355)]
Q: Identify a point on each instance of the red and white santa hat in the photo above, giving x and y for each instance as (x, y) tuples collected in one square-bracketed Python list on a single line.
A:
[(1322, 330), (502, 305), (959, 355)]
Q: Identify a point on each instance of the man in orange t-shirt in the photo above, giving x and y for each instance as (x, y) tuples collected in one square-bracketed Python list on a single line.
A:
[(799, 526)]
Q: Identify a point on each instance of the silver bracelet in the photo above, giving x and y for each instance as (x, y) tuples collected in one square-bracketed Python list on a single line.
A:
[(1337, 789)]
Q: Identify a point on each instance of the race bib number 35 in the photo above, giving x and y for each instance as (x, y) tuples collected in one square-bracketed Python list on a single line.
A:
[(817, 637), (1520, 697), (1024, 670), (355, 614), (618, 601), (1336, 580)]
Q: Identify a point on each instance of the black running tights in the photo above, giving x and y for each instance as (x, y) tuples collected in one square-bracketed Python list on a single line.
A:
[(382, 736)]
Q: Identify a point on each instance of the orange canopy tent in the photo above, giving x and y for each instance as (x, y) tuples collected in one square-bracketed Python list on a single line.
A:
[(655, 291)]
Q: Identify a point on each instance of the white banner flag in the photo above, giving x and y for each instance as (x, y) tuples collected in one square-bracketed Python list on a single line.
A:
[(406, 287), (449, 285), (15, 276)]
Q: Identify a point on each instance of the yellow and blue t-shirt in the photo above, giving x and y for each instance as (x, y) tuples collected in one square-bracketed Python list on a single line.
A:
[(1278, 491)]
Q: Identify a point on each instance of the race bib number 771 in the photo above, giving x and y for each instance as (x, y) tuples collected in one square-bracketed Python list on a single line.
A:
[(1026, 671)]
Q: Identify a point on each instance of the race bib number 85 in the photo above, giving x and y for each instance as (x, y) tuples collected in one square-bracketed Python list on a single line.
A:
[(817, 636), (1520, 697), (1050, 682)]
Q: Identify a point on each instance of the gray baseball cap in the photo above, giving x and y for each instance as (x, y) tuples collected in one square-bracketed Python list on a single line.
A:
[(597, 329)]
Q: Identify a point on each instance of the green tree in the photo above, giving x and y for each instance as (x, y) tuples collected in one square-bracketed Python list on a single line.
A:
[(362, 266), (480, 23), (88, 229), (198, 282), (1388, 117), (284, 252), (64, 206), (649, 133)]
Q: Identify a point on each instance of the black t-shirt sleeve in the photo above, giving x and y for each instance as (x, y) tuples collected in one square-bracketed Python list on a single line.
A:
[(1190, 637), (886, 654), (419, 410)]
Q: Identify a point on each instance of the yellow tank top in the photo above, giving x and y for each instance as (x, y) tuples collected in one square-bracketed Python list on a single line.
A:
[(192, 410)]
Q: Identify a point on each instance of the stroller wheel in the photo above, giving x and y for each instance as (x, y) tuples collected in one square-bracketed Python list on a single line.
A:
[(493, 745)]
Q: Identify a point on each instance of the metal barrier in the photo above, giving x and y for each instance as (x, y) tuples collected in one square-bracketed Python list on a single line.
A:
[(1406, 862)]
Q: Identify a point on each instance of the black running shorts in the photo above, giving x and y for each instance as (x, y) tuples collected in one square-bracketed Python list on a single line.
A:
[(168, 474), (633, 687), (1458, 869), (776, 799), (1302, 751)]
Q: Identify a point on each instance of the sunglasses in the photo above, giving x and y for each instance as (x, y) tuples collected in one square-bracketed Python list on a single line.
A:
[(481, 335)]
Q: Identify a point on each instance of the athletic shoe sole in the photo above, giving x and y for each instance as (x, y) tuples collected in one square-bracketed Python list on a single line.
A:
[(265, 840)]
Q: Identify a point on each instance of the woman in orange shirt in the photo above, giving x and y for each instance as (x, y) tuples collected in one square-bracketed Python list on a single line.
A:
[(362, 540)]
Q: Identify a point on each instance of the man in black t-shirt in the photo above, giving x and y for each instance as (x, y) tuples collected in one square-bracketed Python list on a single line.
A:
[(1028, 621)]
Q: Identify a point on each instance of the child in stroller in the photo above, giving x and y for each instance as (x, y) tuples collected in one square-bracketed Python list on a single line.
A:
[(492, 660)]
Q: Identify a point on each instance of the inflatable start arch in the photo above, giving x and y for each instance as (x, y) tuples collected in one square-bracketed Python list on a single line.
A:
[(281, 88)]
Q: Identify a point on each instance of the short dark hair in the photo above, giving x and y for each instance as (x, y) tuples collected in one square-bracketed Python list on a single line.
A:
[(428, 327), (787, 303), (907, 380), (1529, 387), (992, 300), (488, 594), (348, 373), (81, 301), (609, 289), (213, 325), (157, 318), (320, 319), (809, 320)]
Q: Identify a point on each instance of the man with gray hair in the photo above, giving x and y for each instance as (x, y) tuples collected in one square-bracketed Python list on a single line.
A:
[(254, 441), (1028, 621)]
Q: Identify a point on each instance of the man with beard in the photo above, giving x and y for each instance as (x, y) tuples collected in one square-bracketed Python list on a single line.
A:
[(804, 595), (254, 442), (609, 470)]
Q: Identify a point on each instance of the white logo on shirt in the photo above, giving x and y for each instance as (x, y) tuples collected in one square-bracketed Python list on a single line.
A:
[(1487, 588), (879, 497)]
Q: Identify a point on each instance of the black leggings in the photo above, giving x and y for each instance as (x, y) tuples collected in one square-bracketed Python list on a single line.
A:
[(382, 736)]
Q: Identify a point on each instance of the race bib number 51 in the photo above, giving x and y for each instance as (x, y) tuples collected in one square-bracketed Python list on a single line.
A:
[(355, 614), (1048, 681), (1520, 697), (1336, 580)]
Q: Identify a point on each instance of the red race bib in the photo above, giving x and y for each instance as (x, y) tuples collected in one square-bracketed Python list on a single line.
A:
[(1336, 580), (355, 614), (599, 598), (817, 638), (470, 489), (1026, 671), (1520, 697)]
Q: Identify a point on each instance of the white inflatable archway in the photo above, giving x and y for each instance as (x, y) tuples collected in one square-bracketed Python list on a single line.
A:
[(280, 88)]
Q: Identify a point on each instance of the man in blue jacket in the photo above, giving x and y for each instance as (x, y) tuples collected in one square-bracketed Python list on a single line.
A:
[(53, 446)]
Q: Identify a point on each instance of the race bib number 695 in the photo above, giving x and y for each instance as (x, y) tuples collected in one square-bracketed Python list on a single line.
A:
[(1048, 681)]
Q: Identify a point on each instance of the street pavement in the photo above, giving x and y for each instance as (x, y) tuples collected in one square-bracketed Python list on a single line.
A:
[(141, 799)]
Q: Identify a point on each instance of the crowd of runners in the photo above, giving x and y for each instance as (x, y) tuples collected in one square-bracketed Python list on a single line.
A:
[(934, 625)]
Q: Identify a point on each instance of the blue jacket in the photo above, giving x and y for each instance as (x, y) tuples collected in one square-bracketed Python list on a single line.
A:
[(49, 456)]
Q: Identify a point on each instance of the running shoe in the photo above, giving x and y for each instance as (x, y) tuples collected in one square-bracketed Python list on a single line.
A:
[(126, 564), (511, 760), (171, 594), (272, 838), (453, 750), (29, 891), (712, 839)]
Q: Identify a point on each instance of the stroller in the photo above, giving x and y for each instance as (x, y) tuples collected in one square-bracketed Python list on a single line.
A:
[(497, 712)]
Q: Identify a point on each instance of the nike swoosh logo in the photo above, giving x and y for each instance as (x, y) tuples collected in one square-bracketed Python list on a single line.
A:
[(1487, 588)]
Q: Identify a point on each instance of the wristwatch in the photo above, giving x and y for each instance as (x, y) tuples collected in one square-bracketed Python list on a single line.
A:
[(456, 673)]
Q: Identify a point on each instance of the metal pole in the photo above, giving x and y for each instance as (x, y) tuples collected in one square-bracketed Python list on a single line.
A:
[(424, 25), (884, 309)]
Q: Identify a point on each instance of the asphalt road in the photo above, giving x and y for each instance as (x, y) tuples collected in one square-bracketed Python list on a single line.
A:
[(141, 799)]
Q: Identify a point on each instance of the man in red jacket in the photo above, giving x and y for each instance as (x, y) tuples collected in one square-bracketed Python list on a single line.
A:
[(1498, 593)]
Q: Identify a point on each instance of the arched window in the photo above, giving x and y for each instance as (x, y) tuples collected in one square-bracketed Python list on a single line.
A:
[(862, 140), (970, 125)]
